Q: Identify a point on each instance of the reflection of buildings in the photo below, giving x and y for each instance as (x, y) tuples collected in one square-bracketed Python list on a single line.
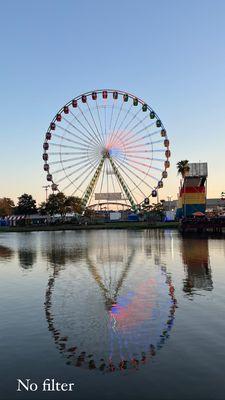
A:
[(195, 255)]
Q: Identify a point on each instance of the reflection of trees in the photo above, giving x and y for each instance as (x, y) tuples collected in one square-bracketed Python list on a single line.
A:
[(26, 258), (6, 252), (26, 250), (195, 255)]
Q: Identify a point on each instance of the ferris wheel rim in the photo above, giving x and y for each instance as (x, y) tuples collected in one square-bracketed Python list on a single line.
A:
[(121, 93)]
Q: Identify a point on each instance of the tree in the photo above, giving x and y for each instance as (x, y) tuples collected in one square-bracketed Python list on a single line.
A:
[(42, 208), (6, 206), (56, 204), (26, 205), (183, 167), (74, 204)]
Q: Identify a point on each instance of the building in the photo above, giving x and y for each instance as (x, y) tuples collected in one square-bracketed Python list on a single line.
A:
[(192, 192)]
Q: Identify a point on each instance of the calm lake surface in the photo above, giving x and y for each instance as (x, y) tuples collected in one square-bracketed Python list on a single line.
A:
[(121, 313)]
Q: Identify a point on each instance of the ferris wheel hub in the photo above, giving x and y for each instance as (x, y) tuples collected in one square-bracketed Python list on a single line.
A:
[(106, 152)]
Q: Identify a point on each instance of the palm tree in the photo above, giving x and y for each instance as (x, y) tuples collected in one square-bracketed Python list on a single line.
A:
[(183, 167)]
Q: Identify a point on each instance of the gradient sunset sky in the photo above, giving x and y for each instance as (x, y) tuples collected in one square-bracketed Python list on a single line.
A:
[(169, 53)]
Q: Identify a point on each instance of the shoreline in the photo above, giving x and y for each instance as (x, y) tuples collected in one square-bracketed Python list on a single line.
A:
[(108, 225)]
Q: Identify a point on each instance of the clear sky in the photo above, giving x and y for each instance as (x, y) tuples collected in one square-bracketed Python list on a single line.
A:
[(170, 53)]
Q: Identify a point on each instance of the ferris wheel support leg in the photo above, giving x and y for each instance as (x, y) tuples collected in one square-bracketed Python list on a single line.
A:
[(92, 184), (126, 190)]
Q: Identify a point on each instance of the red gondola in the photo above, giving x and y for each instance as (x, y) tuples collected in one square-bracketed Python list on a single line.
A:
[(66, 109), (84, 98), (74, 103), (58, 117), (94, 96), (166, 143), (52, 126), (167, 153), (104, 94), (167, 164)]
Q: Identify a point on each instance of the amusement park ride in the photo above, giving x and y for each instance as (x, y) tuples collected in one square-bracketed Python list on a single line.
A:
[(109, 148)]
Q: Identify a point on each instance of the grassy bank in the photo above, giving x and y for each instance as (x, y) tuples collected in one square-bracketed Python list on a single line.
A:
[(109, 225)]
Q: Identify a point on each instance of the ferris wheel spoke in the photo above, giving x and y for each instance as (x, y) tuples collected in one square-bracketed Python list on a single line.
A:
[(69, 167), (89, 136), (125, 128), (76, 129), (100, 123), (145, 165), (140, 170), (111, 117), (143, 138), (131, 131), (96, 127), (65, 161), (95, 134), (117, 118), (132, 134), (84, 180), (70, 140), (87, 170), (121, 167), (66, 146), (73, 172), (115, 135), (124, 169)]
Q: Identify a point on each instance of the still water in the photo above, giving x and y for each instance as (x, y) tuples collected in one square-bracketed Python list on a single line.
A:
[(122, 314)]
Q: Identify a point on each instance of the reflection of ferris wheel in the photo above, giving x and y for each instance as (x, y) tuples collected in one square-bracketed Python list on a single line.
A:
[(107, 147)]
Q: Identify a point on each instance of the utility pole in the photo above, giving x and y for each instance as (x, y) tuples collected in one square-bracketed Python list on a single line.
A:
[(46, 191)]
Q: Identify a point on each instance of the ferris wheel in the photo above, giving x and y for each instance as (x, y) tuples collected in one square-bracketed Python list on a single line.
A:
[(107, 147)]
